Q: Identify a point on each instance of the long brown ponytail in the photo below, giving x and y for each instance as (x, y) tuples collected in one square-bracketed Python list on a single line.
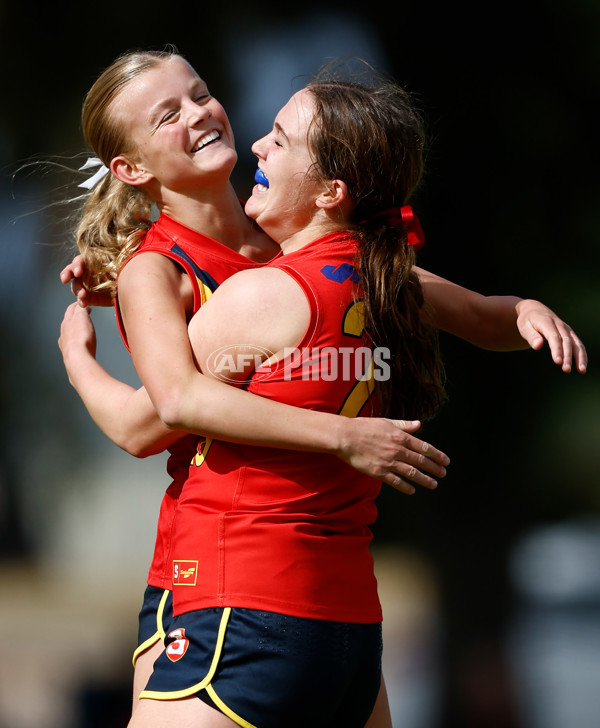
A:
[(372, 138)]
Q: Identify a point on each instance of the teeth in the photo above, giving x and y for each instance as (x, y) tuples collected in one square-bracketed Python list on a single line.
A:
[(210, 137)]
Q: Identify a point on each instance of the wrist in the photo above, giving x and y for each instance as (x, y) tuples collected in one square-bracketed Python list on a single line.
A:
[(344, 436), (336, 438), (525, 305), (324, 432), (77, 359)]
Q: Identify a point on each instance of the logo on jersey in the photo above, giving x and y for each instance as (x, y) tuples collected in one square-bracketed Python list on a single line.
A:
[(185, 573), (176, 648), (341, 273), (202, 449)]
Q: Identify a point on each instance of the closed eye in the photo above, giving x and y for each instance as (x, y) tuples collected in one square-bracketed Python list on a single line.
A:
[(278, 133), (168, 116)]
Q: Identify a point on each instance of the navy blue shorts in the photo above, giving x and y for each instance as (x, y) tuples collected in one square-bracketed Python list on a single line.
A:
[(155, 617), (267, 670)]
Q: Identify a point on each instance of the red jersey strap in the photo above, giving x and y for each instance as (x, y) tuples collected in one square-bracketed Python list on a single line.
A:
[(313, 302), (206, 260)]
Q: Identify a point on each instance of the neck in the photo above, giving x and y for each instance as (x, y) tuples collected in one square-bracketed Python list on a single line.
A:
[(218, 214), (313, 231)]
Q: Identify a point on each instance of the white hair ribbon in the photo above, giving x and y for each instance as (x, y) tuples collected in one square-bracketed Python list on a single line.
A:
[(97, 176)]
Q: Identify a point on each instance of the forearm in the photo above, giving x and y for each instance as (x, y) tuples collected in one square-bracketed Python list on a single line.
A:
[(489, 322), (187, 400), (494, 323), (195, 403), (169, 364), (500, 323), (126, 415), (205, 406)]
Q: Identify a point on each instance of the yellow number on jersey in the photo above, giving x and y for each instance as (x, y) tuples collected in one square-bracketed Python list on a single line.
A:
[(354, 325)]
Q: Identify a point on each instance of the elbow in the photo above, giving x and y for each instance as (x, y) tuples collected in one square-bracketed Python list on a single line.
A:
[(171, 411), (140, 450), (133, 440), (138, 447), (150, 440), (178, 404)]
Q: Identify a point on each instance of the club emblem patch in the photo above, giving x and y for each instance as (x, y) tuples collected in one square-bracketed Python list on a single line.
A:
[(185, 573), (176, 649)]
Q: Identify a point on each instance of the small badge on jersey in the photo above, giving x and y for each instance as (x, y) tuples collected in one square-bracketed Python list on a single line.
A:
[(185, 573), (341, 273), (176, 648)]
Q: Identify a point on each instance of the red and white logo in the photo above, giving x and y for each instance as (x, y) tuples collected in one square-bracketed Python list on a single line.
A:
[(176, 650)]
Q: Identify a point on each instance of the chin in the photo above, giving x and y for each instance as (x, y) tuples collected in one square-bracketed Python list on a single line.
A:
[(251, 208)]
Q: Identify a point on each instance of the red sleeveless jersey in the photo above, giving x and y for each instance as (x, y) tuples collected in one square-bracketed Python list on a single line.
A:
[(208, 263), (280, 530)]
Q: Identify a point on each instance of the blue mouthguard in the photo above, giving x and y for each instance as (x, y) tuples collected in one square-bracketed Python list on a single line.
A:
[(260, 178)]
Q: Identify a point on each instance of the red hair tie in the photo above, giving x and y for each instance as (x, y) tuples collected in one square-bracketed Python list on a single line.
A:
[(404, 215)]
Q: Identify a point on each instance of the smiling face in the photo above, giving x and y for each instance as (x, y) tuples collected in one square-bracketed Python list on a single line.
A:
[(286, 209), (180, 135)]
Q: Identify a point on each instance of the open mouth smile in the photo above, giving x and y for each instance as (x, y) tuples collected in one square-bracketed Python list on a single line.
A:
[(205, 140)]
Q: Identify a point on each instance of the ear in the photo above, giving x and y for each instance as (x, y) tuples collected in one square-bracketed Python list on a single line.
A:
[(129, 172), (334, 196)]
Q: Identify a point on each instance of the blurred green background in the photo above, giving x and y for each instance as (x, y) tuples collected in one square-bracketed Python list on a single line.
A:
[(491, 584)]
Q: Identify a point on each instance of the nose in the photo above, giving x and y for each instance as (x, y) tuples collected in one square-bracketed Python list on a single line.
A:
[(197, 113), (258, 148)]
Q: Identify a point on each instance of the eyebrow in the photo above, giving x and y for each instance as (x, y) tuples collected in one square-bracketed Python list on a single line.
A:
[(158, 107), (278, 128), (155, 111)]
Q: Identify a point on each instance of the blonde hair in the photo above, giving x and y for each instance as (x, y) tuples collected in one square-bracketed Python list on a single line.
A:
[(116, 215)]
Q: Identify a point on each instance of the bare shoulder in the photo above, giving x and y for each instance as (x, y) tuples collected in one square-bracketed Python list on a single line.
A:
[(263, 306), (261, 283), (155, 277), (262, 292), (147, 266)]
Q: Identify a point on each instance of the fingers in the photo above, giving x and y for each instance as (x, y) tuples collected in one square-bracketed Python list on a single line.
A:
[(69, 311), (391, 454), (421, 453), (77, 288), (66, 274), (407, 425), (403, 477), (414, 463), (432, 454), (548, 330), (573, 351), (559, 348), (72, 311), (418, 467), (77, 331), (565, 346), (86, 298), (532, 336), (73, 270), (566, 358), (398, 484), (580, 355)]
